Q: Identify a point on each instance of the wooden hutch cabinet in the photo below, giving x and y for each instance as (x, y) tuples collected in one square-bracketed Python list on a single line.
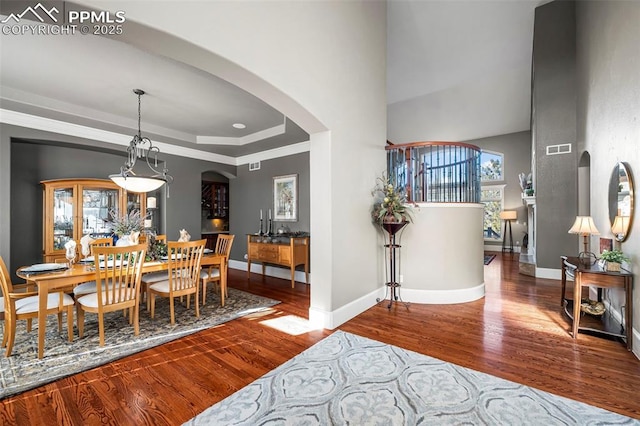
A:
[(76, 207)]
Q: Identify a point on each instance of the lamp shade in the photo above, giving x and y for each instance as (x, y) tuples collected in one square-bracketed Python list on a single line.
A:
[(508, 215), (584, 226), (138, 183), (620, 225)]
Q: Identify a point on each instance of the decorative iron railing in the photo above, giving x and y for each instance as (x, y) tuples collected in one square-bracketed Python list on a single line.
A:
[(436, 172)]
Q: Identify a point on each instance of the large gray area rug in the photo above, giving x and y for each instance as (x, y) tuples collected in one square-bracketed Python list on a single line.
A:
[(347, 379), (23, 370)]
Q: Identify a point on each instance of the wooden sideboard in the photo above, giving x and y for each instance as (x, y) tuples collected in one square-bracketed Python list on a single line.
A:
[(595, 275), (284, 251)]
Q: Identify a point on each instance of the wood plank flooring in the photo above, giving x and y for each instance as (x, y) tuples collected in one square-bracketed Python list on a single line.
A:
[(516, 332)]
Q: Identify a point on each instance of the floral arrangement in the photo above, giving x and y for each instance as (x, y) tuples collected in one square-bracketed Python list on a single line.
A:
[(126, 224), (390, 203), (156, 249), (615, 256)]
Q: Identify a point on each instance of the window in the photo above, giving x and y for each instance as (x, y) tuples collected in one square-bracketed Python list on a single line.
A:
[(492, 196), (491, 166), (493, 199)]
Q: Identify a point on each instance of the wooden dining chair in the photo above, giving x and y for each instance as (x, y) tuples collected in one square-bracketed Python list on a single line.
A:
[(212, 273), (118, 275), (153, 277), (184, 259), (90, 286), (20, 305)]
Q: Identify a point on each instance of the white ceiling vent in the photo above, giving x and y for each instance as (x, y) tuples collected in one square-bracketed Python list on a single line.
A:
[(559, 149), (254, 166)]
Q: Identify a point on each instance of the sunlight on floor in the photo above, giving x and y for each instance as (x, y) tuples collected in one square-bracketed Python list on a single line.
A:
[(290, 324)]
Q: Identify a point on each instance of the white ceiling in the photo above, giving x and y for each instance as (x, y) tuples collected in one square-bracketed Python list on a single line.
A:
[(432, 45)]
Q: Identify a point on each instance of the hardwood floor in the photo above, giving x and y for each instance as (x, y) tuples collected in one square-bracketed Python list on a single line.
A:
[(516, 332)]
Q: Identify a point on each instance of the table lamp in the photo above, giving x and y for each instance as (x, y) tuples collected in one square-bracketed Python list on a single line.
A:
[(508, 216), (584, 226)]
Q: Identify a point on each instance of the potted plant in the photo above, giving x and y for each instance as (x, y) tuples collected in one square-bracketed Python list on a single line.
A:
[(612, 259), (390, 203)]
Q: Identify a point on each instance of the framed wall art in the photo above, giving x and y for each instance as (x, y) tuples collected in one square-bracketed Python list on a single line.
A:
[(606, 244), (285, 198)]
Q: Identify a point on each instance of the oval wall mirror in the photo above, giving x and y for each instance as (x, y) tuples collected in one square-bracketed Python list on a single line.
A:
[(621, 201)]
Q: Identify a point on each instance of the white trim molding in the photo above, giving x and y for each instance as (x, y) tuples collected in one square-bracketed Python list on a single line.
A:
[(442, 297), (85, 132), (549, 273), (243, 140)]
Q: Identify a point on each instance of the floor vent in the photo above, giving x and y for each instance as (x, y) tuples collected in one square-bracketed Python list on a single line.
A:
[(254, 166), (559, 149)]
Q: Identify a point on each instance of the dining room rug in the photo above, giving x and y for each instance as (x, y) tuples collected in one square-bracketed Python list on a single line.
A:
[(23, 370), (349, 379), (488, 258)]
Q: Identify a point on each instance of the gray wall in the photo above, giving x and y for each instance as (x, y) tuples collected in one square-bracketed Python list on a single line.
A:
[(252, 191), (608, 36), (516, 148), (32, 163), (554, 122)]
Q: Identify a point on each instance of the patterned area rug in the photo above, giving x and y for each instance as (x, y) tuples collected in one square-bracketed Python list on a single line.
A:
[(348, 379), (488, 258), (23, 370)]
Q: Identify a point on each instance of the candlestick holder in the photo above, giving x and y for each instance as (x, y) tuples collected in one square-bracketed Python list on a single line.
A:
[(270, 230), (260, 232)]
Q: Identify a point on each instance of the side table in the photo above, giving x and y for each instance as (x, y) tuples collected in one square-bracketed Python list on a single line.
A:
[(595, 275)]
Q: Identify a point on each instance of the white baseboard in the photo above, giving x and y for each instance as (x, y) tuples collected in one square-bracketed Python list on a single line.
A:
[(272, 271), (442, 297), (549, 273), (333, 319), (498, 249)]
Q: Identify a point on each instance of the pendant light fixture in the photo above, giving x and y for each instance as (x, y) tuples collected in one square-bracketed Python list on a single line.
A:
[(141, 148)]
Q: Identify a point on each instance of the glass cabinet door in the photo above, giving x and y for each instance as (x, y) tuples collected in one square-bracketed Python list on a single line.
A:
[(63, 215), (98, 206)]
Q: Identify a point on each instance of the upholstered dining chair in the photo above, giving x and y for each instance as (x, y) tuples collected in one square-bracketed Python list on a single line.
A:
[(24, 305), (90, 286), (184, 260), (212, 273), (118, 275)]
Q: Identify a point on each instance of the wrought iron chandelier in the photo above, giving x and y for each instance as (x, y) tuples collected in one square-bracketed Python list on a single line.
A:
[(141, 148)]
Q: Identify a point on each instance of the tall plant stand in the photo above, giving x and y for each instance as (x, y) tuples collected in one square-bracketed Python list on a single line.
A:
[(393, 286)]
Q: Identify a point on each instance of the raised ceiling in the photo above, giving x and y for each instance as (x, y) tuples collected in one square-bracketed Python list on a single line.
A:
[(85, 79)]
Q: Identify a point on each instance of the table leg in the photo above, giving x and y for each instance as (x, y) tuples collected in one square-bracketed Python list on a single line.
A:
[(223, 280), (293, 276), (43, 296), (577, 297), (628, 311)]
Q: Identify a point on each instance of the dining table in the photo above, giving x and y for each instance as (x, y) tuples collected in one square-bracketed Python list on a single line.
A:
[(82, 272)]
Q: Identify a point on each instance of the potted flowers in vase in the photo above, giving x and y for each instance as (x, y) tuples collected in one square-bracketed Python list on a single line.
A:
[(613, 259), (390, 203), (127, 227)]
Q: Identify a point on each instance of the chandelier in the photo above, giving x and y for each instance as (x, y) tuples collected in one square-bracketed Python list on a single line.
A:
[(141, 148)]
